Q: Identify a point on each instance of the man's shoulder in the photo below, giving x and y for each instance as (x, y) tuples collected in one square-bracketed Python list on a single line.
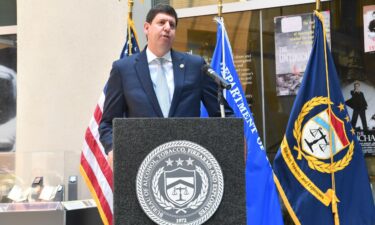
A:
[(126, 60)]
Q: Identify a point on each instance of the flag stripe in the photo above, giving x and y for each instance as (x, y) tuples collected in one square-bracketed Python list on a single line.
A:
[(92, 140), (92, 191), (103, 206), (98, 114), (95, 175), (100, 162)]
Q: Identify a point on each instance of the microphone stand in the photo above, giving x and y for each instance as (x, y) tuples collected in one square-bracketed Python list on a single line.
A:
[(220, 99)]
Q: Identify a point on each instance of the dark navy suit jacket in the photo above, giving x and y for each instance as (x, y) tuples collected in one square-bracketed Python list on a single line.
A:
[(130, 91)]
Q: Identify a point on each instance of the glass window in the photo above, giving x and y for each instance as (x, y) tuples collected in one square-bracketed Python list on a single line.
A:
[(277, 108), (353, 63), (197, 35)]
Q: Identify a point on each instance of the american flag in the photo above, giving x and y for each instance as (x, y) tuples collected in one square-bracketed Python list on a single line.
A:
[(94, 165)]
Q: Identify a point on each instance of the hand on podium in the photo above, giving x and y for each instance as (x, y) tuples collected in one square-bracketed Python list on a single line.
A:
[(110, 159)]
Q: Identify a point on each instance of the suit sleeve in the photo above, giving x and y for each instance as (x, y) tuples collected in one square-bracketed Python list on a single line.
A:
[(114, 107)]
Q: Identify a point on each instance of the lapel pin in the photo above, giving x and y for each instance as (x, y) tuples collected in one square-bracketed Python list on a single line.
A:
[(182, 66)]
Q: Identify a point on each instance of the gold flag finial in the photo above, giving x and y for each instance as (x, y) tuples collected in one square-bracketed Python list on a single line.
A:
[(130, 4), (220, 7), (317, 5), (130, 16)]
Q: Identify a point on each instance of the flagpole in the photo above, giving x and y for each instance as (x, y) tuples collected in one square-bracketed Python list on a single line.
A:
[(220, 90), (317, 5), (334, 198), (130, 15), (220, 8)]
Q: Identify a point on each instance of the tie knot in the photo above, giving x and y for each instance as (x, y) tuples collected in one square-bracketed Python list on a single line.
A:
[(160, 61)]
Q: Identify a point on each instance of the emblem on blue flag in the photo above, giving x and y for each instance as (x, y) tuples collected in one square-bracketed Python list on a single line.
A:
[(319, 137)]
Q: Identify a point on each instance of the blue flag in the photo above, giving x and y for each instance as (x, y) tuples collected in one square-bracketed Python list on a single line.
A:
[(262, 203), (320, 167)]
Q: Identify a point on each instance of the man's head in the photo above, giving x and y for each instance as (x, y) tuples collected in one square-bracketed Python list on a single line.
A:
[(356, 84), (160, 29), (161, 8)]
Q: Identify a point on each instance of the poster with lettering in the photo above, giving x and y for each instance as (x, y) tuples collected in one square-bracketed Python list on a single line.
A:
[(360, 103), (369, 27), (293, 43)]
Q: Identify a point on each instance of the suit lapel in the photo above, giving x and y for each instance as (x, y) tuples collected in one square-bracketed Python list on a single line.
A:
[(143, 73), (178, 62)]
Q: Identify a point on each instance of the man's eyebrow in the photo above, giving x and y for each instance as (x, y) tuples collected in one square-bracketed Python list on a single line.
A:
[(169, 20)]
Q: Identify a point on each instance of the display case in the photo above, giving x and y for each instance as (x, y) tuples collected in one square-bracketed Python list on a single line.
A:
[(46, 213), (34, 190)]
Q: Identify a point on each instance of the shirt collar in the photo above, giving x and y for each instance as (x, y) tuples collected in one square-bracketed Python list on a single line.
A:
[(151, 56)]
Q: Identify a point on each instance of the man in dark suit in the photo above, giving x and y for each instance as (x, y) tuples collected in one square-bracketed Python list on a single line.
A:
[(359, 106), (133, 89)]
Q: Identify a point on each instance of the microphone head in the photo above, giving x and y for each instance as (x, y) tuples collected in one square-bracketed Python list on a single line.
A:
[(206, 67)]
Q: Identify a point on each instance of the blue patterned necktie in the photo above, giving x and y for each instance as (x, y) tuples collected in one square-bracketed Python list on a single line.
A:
[(161, 88)]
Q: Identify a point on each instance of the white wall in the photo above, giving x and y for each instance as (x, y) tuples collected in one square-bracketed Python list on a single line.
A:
[(65, 52)]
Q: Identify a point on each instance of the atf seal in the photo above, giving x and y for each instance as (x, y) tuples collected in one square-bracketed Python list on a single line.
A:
[(179, 182)]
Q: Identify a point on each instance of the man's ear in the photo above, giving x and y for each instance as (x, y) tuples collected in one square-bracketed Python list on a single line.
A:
[(146, 26)]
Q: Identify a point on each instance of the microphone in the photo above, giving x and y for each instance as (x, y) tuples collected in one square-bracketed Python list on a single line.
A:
[(218, 79)]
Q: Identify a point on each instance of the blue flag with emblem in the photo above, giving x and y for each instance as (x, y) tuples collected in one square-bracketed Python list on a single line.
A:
[(320, 169), (262, 203)]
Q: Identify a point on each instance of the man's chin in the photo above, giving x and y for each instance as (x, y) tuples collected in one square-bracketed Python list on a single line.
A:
[(165, 47)]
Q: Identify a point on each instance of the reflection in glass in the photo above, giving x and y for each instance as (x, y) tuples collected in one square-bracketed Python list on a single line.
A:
[(197, 35), (8, 96)]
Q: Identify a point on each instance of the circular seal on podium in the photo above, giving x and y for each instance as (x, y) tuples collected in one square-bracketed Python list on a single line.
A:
[(179, 182)]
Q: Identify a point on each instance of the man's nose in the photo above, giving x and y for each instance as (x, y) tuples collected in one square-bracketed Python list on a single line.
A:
[(167, 26)]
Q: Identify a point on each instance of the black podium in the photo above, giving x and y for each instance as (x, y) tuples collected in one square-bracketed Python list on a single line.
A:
[(134, 139)]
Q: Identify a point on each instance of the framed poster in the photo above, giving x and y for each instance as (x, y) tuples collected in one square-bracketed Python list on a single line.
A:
[(293, 43), (360, 102)]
